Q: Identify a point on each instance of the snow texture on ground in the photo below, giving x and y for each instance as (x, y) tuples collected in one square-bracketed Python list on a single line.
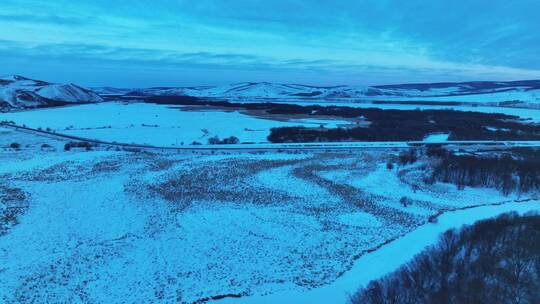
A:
[(388, 258), (117, 227), (158, 125)]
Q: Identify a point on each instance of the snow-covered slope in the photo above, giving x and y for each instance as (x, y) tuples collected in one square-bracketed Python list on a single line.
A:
[(256, 90), (20, 92), (526, 92), (469, 92), (110, 91)]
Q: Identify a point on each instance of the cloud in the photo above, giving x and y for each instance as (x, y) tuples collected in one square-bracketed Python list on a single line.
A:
[(47, 19), (170, 59), (337, 39)]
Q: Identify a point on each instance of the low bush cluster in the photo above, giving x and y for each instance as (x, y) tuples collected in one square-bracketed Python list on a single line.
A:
[(226, 141), (408, 157), (81, 144)]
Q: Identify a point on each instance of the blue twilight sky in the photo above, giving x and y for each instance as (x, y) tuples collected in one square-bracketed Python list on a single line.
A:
[(206, 42)]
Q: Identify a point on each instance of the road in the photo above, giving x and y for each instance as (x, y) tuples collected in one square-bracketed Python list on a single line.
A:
[(326, 146)]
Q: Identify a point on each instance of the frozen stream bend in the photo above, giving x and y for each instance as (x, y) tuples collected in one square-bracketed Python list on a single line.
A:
[(390, 257)]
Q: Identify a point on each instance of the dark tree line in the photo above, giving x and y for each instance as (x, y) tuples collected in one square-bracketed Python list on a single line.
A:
[(386, 125), (506, 173), (409, 125), (495, 261), (407, 130)]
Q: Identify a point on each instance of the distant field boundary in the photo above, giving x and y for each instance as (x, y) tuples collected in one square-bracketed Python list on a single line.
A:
[(318, 146)]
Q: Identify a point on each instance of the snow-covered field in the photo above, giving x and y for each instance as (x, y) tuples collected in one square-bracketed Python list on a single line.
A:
[(173, 126), (388, 258), (158, 125), (117, 227)]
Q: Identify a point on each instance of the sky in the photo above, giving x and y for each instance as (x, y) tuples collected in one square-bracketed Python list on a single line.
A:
[(211, 42)]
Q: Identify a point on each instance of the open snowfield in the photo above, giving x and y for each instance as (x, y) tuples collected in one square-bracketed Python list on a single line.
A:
[(152, 124), (116, 227), (388, 258), (176, 126)]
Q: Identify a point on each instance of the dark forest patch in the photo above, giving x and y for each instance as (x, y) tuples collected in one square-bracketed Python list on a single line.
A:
[(494, 261), (386, 125), (516, 172)]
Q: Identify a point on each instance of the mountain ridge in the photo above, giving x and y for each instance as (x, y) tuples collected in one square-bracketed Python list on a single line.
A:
[(19, 92), (504, 91)]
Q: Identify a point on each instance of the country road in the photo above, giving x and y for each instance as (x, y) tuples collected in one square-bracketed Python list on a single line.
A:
[(318, 146)]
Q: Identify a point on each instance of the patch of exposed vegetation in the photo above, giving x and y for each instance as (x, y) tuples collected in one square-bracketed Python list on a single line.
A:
[(68, 170), (13, 203), (106, 166), (217, 181), (353, 196), (75, 171), (15, 146), (507, 172), (81, 144)]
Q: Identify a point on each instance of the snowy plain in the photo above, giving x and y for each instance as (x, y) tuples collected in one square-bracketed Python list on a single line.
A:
[(158, 125), (162, 125), (271, 227), (388, 258), (106, 226), (116, 226)]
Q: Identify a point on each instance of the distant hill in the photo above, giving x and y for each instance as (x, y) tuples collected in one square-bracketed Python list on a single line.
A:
[(466, 92), (17, 92)]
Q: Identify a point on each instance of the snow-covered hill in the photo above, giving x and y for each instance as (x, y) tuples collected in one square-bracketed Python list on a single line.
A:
[(111, 91), (17, 92), (469, 92), (254, 90), (21, 92)]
